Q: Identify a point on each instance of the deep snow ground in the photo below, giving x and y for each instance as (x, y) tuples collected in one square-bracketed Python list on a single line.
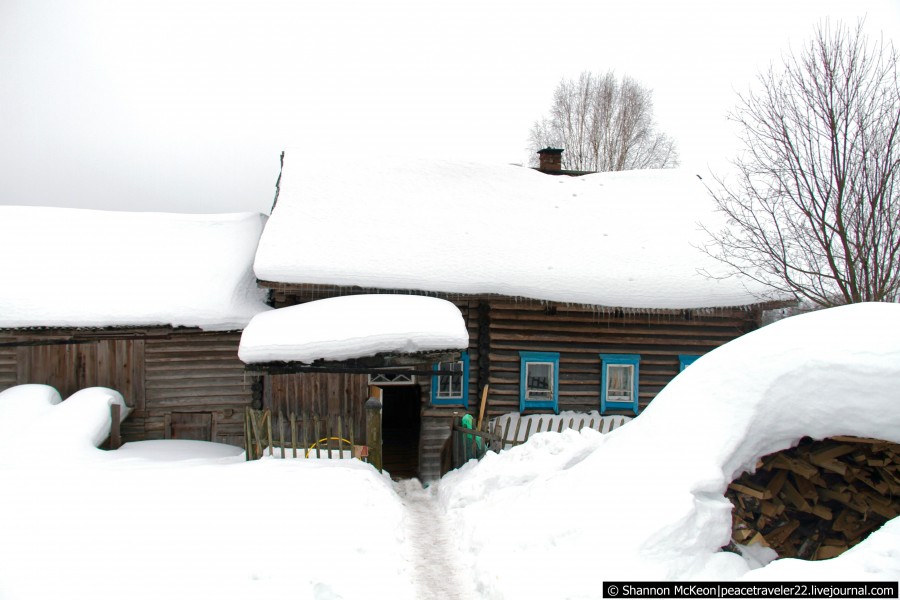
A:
[(434, 558)]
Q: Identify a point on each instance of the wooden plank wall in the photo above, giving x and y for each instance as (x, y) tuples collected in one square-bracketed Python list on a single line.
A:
[(320, 395), (579, 334), (183, 384), (196, 373), (8, 363), (116, 364)]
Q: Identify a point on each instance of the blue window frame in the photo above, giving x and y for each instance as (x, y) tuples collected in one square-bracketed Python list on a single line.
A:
[(619, 374), (539, 381), (451, 389), (686, 359)]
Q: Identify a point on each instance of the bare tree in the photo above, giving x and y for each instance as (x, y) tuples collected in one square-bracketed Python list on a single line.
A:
[(814, 209), (604, 124)]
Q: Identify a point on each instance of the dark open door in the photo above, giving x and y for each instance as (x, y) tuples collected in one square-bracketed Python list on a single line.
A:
[(401, 425)]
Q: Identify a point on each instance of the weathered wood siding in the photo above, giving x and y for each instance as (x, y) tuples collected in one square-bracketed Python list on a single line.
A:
[(8, 363), (319, 395), (437, 421), (116, 364), (186, 384), (501, 327), (198, 374)]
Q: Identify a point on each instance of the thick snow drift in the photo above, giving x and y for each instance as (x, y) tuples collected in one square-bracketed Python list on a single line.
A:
[(613, 239), (647, 500), (87, 268), (184, 520), (36, 423), (352, 327)]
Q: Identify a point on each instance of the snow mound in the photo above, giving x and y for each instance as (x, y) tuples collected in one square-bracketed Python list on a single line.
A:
[(177, 450), (647, 501), (38, 424), (21, 405), (352, 327)]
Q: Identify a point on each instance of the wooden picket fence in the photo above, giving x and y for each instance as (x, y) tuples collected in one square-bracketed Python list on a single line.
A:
[(294, 437), (508, 428), (506, 432)]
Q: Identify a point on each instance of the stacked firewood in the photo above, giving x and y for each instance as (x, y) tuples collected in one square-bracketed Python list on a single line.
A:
[(818, 499)]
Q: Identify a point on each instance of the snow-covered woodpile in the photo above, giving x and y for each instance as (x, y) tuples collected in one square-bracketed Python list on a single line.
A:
[(818, 499)]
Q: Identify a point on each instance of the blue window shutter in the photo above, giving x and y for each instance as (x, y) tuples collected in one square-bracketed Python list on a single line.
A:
[(606, 360), (463, 398), (549, 358), (686, 359)]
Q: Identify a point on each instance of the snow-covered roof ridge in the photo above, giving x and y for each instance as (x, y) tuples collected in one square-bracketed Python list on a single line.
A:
[(626, 239), (68, 267)]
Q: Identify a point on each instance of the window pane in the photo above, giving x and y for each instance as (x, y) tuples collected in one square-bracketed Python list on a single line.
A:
[(619, 383), (539, 381), (450, 386)]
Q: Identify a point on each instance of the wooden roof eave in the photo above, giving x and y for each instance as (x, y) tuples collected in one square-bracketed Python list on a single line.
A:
[(317, 291), (55, 335), (418, 363)]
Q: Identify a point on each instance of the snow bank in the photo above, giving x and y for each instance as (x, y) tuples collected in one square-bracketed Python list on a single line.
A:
[(471, 228), (178, 450), (352, 327), (22, 405), (35, 424), (647, 500), (86, 268), (186, 520)]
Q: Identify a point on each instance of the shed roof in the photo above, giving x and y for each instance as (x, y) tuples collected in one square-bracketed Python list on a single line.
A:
[(626, 239), (66, 267), (336, 329)]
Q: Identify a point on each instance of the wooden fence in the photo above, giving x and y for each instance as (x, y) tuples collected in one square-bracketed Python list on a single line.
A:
[(509, 429), (507, 432), (294, 437)]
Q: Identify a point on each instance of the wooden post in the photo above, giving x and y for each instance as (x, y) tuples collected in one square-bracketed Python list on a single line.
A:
[(248, 434), (373, 432), (115, 430), (484, 397)]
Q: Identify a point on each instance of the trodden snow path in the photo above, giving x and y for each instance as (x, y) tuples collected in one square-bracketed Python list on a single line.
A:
[(436, 567)]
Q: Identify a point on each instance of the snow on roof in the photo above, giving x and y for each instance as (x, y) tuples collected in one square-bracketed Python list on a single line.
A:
[(352, 327), (623, 239), (85, 268)]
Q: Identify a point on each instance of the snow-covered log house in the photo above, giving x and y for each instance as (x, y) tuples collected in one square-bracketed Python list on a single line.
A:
[(148, 304), (581, 292)]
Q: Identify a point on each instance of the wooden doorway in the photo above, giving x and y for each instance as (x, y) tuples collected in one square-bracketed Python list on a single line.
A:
[(401, 422)]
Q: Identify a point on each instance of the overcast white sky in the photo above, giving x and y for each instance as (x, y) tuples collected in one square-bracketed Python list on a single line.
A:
[(185, 105)]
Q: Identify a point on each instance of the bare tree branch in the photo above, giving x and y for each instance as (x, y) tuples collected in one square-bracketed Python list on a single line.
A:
[(814, 211), (604, 124)]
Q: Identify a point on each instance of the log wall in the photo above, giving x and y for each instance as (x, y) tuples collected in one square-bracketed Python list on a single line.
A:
[(501, 327), (579, 334)]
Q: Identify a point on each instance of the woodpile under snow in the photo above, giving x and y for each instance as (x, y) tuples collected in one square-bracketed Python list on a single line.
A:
[(818, 499)]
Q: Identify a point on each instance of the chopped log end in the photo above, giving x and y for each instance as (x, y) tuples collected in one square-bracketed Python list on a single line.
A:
[(818, 499)]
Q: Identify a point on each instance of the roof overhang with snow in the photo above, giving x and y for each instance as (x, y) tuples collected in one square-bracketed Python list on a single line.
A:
[(103, 269), (354, 334), (621, 240)]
